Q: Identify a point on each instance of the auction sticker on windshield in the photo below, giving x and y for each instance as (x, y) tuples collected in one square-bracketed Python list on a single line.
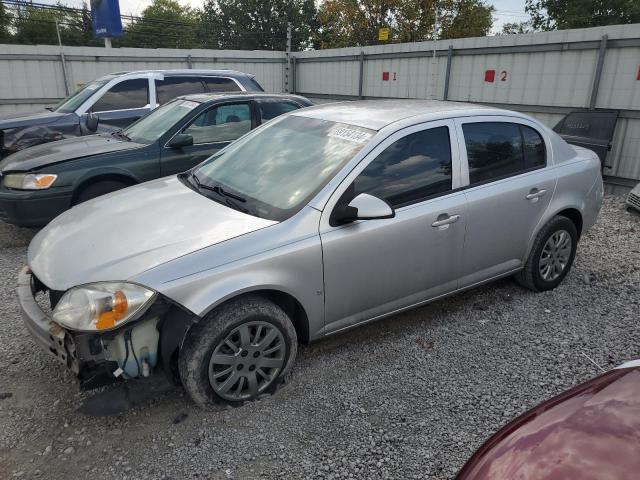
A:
[(189, 104), (350, 134)]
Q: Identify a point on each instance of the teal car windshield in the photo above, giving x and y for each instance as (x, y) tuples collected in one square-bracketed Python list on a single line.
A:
[(151, 127), (277, 169), (72, 102)]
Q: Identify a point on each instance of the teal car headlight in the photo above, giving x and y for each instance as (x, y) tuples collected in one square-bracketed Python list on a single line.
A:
[(29, 181)]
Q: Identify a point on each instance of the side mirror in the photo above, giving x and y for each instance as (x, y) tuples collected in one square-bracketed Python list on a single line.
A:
[(92, 122), (363, 207), (181, 140)]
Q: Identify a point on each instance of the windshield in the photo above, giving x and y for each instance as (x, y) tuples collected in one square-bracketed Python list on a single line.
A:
[(151, 127), (277, 169), (71, 103)]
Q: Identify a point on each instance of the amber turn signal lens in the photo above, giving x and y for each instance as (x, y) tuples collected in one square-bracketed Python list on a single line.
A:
[(44, 181), (118, 310)]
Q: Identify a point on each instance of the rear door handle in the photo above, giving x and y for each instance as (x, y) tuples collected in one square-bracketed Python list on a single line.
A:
[(534, 193), (445, 219)]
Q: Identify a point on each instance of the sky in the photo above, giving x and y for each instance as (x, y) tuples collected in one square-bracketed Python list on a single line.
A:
[(507, 11)]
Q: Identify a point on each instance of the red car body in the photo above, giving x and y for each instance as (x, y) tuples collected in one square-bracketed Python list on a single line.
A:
[(591, 432)]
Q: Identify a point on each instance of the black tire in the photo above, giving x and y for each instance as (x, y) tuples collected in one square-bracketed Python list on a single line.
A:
[(196, 362), (531, 277), (101, 187)]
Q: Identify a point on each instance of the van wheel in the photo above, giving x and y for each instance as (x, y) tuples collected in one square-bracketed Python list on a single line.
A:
[(242, 350), (99, 188), (551, 256)]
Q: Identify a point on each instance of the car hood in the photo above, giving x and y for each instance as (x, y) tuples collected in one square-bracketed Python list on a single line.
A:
[(68, 149), (125, 233), (29, 119), (591, 432)]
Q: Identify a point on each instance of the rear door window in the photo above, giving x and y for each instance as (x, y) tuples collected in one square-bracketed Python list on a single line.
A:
[(498, 150), (172, 87), (224, 123), (269, 109), (410, 170), (218, 84), (127, 94)]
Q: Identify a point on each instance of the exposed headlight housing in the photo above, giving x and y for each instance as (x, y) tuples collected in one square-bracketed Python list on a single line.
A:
[(29, 181), (101, 306)]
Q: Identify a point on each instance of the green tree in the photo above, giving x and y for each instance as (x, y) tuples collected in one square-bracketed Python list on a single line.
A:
[(37, 25), (5, 25), (516, 27), (164, 24), (257, 24), (563, 14), (356, 22)]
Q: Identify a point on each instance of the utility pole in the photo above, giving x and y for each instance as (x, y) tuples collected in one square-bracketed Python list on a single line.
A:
[(107, 42), (287, 68), (434, 61), (62, 60)]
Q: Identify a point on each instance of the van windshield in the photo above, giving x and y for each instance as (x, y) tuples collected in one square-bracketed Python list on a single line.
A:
[(275, 170)]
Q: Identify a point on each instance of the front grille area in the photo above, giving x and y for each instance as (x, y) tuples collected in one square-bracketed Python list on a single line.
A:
[(45, 297), (634, 200)]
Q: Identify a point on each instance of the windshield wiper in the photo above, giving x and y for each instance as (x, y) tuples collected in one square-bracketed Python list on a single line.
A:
[(120, 134), (229, 198), (49, 108)]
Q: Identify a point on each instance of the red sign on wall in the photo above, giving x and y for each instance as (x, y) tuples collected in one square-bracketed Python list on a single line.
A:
[(490, 76), (385, 76)]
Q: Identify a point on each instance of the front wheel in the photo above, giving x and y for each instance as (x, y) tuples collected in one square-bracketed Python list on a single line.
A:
[(551, 256), (240, 351)]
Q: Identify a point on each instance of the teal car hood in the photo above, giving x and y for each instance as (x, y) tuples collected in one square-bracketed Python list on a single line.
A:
[(39, 156)]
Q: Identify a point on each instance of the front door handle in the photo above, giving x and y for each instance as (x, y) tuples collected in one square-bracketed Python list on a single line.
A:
[(444, 220), (534, 194)]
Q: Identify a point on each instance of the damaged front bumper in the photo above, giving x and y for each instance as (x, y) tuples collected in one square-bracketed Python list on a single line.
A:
[(51, 336), (97, 359)]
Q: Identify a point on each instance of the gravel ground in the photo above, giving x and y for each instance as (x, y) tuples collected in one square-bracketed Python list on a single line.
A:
[(411, 396)]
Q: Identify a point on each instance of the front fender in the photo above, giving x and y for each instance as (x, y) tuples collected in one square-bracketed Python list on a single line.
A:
[(286, 258)]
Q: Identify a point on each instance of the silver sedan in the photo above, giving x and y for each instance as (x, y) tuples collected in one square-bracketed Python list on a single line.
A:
[(321, 220)]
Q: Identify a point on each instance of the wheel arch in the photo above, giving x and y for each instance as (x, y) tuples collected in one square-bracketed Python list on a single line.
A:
[(284, 299), (178, 321), (575, 216), (99, 176), (571, 211)]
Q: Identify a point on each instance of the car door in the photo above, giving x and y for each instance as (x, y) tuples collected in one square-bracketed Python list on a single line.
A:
[(508, 188), (374, 267), (124, 103), (212, 130)]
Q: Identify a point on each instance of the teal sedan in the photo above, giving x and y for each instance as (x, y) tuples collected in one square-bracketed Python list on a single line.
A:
[(41, 182)]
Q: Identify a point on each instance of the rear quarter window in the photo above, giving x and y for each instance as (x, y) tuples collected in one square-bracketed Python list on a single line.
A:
[(218, 84)]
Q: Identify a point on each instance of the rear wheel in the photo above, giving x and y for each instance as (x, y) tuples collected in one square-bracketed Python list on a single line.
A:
[(551, 256), (99, 188), (240, 351)]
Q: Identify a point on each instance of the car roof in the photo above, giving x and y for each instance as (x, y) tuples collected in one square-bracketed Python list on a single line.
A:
[(206, 97), (182, 71), (377, 114)]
